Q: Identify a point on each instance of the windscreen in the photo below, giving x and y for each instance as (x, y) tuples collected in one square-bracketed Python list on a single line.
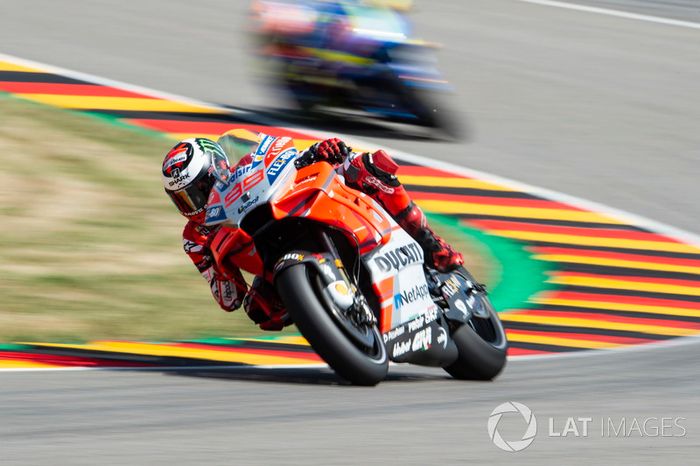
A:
[(381, 23), (238, 142)]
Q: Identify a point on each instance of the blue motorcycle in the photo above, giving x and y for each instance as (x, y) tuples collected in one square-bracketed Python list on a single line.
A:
[(352, 56)]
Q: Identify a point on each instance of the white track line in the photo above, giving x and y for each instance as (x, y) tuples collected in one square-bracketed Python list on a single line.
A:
[(679, 234), (165, 368), (617, 13), (672, 343)]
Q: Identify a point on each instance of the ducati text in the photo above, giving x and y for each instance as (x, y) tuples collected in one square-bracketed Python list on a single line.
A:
[(399, 258)]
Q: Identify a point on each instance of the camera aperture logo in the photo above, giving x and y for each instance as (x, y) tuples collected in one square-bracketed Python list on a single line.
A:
[(530, 426)]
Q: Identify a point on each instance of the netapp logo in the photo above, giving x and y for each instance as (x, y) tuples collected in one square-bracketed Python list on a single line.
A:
[(399, 258), (410, 296)]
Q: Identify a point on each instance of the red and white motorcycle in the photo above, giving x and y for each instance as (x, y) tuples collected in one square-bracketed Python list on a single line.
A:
[(354, 282)]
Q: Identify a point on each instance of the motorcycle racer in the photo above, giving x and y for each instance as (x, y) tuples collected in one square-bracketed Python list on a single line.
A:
[(188, 180)]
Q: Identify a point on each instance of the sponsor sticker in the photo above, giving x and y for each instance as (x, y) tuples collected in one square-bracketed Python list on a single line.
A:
[(279, 144), (279, 164), (372, 181), (450, 287), (240, 171), (264, 145), (248, 205), (215, 213), (177, 159), (394, 333), (174, 160), (401, 348), (422, 340), (399, 258), (442, 337), (459, 304), (293, 256), (179, 180), (412, 295), (423, 319), (191, 246)]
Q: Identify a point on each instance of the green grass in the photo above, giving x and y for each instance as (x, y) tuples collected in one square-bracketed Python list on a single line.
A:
[(91, 248)]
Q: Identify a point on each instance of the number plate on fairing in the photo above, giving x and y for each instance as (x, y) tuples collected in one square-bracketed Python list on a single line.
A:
[(254, 184)]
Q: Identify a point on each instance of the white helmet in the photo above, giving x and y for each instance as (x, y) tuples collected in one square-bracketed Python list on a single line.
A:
[(188, 174)]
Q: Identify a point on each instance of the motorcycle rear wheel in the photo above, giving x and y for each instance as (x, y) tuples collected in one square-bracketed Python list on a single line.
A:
[(429, 109), (299, 288), (482, 346)]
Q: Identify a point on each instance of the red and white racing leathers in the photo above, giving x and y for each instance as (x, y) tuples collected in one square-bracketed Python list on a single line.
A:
[(227, 288)]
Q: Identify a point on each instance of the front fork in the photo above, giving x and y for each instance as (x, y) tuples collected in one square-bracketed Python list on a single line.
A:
[(335, 278), (360, 308)]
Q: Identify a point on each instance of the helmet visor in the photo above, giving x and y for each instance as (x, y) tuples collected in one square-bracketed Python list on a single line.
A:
[(192, 199)]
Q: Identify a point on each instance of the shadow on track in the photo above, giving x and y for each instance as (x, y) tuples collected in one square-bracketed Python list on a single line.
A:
[(336, 122), (305, 376)]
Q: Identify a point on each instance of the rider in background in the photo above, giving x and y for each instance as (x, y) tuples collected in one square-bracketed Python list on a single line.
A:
[(297, 27), (188, 180)]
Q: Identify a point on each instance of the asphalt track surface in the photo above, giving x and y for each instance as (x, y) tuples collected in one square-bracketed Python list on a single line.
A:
[(600, 107), (301, 416)]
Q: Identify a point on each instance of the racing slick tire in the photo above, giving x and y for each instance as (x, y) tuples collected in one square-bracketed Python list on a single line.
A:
[(298, 287), (482, 346)]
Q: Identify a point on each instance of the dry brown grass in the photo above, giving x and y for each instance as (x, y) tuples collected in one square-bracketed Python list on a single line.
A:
[(90, 247)]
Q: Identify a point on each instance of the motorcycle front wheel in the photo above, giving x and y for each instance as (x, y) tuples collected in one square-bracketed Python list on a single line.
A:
[(361, 361)]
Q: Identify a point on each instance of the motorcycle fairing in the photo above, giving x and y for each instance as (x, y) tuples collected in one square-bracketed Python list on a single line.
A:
[(234, 245), (317, 193), (423, 340), (398, 278), (252, 184)]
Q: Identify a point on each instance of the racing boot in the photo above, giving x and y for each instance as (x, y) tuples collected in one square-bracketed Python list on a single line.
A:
[(265, 307), (437, 252), (375, 175)]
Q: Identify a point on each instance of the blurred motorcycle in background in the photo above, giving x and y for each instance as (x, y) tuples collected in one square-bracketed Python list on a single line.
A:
[(353, 55)]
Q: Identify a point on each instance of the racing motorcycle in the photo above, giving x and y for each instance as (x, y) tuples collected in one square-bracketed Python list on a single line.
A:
[(352, 56), (354, 282)]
